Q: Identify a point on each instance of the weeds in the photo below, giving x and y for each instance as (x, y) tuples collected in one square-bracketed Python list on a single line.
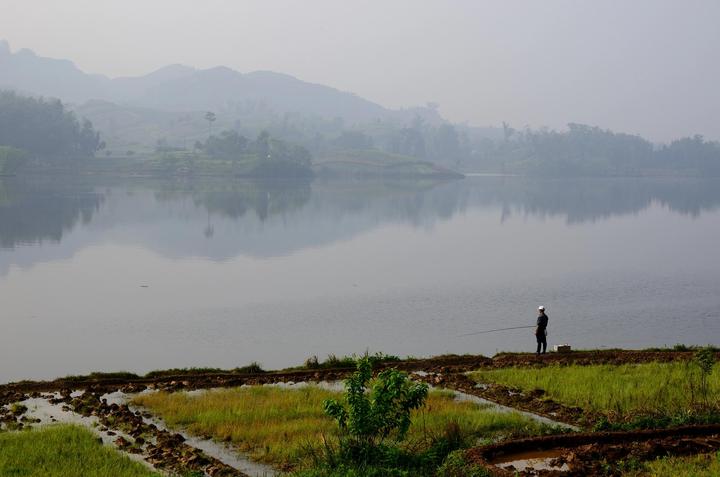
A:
[(60, 451), (288, 428), (334, 362), (617, 391)]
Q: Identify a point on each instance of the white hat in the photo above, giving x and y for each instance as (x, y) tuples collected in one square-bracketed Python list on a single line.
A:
[(541, 308)]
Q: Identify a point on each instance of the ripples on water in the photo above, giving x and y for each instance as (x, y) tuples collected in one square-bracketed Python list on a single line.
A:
[(139, 275)]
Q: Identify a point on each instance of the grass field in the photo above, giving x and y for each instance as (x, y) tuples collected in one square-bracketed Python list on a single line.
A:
[(279, 425), (704, 465), (62, 451), (631, 388)]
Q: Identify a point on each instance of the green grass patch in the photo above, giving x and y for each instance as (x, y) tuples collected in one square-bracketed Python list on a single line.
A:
[(99, 376), (704, 465), (284, 427), (61, 451), (624, 389)]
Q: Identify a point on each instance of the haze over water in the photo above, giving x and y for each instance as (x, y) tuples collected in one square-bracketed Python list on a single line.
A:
[(138, 275)]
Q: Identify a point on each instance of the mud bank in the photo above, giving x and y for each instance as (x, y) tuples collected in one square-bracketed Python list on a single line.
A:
[(591, 454), (439, 364)]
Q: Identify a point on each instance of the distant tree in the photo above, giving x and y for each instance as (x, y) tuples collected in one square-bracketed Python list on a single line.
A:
[(262, 145), (210, 118), (228, 145)]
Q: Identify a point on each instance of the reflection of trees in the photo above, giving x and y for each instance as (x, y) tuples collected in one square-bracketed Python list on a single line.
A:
[(582, 200), (234, 199), (45, 209), (31, 212)]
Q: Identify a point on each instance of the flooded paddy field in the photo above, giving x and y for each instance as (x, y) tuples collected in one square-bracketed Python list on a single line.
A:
[(142, 416)]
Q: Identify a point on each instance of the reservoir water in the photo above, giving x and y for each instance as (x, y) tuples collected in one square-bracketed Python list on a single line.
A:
[(138, 274)]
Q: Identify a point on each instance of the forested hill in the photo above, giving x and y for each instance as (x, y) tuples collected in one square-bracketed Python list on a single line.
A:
[(182, 88)]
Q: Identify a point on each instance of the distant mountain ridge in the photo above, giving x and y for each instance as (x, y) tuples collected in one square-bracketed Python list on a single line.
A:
[(183, 88)]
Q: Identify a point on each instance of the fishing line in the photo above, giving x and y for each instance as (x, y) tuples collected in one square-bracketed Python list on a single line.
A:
[(493, 331)]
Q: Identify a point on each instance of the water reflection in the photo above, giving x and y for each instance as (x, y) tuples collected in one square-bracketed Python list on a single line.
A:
[(101, 274), (177, 218), (34, 211)]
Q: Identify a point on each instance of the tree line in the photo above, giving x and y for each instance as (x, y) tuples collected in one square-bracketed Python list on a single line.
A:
[(230, 145), (44, 128), (589, 150), (579, 150)]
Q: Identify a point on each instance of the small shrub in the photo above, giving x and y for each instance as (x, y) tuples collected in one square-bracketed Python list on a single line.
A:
[(252, 368), (455, 465), (384, 412), (705, 360)]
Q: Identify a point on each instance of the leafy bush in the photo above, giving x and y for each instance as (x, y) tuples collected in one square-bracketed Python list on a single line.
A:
[(705, 360), (370, 418)]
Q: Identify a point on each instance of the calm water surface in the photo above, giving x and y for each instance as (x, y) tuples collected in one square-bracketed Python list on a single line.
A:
[(139, 275)]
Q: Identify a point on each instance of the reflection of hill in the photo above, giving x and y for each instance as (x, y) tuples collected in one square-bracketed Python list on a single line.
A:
[(31, 212), (218, 219)]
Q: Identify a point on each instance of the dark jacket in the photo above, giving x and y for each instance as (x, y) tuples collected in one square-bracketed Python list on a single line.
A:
[(542, 322)]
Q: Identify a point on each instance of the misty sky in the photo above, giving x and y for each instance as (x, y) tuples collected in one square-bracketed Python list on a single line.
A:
[(641, 66)]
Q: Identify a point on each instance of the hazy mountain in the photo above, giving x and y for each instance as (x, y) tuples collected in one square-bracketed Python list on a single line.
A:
[(182, 88)]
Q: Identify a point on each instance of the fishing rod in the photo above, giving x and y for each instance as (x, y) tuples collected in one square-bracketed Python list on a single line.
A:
[(499, 329)]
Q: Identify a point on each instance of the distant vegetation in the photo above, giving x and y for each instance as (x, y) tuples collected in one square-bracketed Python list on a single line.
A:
[(590, 151), (169, 107), (263, 157), (44, 129)]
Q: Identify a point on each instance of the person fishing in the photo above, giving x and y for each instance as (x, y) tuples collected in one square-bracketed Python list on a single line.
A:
[(541, 330)]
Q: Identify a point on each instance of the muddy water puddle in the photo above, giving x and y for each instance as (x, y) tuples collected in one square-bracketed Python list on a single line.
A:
[(531, 461)]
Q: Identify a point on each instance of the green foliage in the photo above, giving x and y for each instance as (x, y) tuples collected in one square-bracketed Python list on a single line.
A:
[(703, 465), (658, 420), (252, 368), (352, 458), (45, 128), (455, 465), (618, 390), (385, 411), (61, 451), (334, 362), (97, 375), (331, 362), (705, 360)]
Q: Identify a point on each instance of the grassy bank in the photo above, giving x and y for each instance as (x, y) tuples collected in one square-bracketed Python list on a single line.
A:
[(623, 389), (61, 451), (282, 426), (704, 465)]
